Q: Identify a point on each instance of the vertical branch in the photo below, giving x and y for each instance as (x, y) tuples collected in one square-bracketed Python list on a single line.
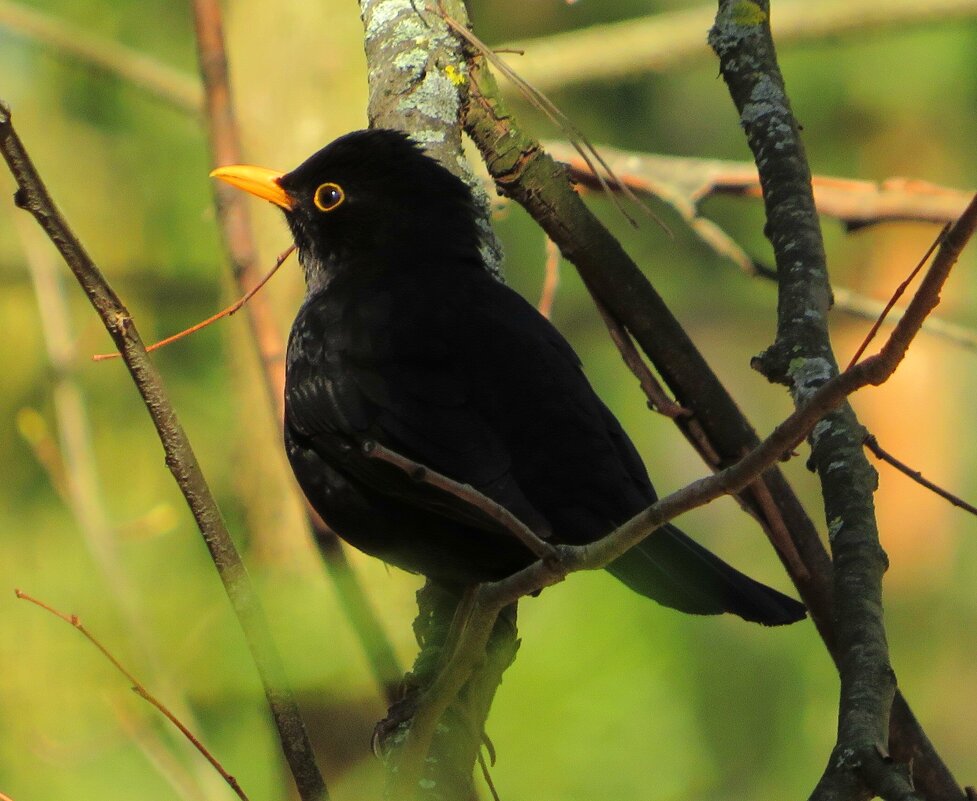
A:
[(418, 82), (235, 226), (801, 357), (33, 197)]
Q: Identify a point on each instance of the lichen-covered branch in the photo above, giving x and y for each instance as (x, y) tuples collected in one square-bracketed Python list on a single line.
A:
[(418, 81), (417, 75), (801, 357)]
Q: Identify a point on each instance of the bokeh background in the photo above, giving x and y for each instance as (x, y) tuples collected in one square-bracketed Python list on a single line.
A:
[(610, 697)]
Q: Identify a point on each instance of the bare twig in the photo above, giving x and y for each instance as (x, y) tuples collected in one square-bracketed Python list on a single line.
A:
[(873, 445), (684, 183), (232, 206), (32, 196), (577, 139), (225, 312), (656, 395), (900, 290), (465, 492), (140, 690)]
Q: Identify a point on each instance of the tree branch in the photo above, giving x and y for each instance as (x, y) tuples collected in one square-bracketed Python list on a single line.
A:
[(873, 445), (801, 357), (32, 196), (524, 172), (684, 183), (421, 90), (490, 598)]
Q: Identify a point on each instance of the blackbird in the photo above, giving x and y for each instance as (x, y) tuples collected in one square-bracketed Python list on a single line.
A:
[(406, 340)]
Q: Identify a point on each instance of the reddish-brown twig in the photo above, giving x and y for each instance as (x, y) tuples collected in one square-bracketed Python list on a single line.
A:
[(900, 290), (872, 444), (227, 312), (139, 689)]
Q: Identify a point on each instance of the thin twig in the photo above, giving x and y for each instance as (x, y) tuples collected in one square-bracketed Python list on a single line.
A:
[(487, 776), (139, 689), (684, 183), (232, 206), (32, 195), (465, 492), (225, 312), (873, 445), (577, 139), (656, 395), (900, 290)]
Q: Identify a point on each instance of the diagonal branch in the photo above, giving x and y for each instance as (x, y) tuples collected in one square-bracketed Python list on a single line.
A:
[(169, 84), (523, 171), (491, 598), (33, 197)]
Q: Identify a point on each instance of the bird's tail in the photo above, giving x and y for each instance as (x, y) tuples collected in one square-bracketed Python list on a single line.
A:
[(675, 571)]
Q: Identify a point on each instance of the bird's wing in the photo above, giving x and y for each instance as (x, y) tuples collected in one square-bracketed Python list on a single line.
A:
[(361, 368)]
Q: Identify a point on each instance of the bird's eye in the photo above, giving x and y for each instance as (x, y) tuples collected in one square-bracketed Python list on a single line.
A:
[(328, 196)]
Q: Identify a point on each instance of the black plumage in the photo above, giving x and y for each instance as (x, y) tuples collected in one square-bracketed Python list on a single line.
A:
[(405, 339)]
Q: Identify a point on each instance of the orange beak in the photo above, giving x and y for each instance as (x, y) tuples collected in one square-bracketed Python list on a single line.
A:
[(259, 181)]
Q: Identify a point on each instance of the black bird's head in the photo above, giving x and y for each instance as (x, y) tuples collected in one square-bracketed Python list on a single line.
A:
[(370, 200)]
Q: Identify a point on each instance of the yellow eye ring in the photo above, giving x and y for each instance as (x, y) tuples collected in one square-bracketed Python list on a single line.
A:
[(328, 197)]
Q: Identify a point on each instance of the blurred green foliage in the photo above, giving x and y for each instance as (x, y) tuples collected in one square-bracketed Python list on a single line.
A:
[(610, 697)]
